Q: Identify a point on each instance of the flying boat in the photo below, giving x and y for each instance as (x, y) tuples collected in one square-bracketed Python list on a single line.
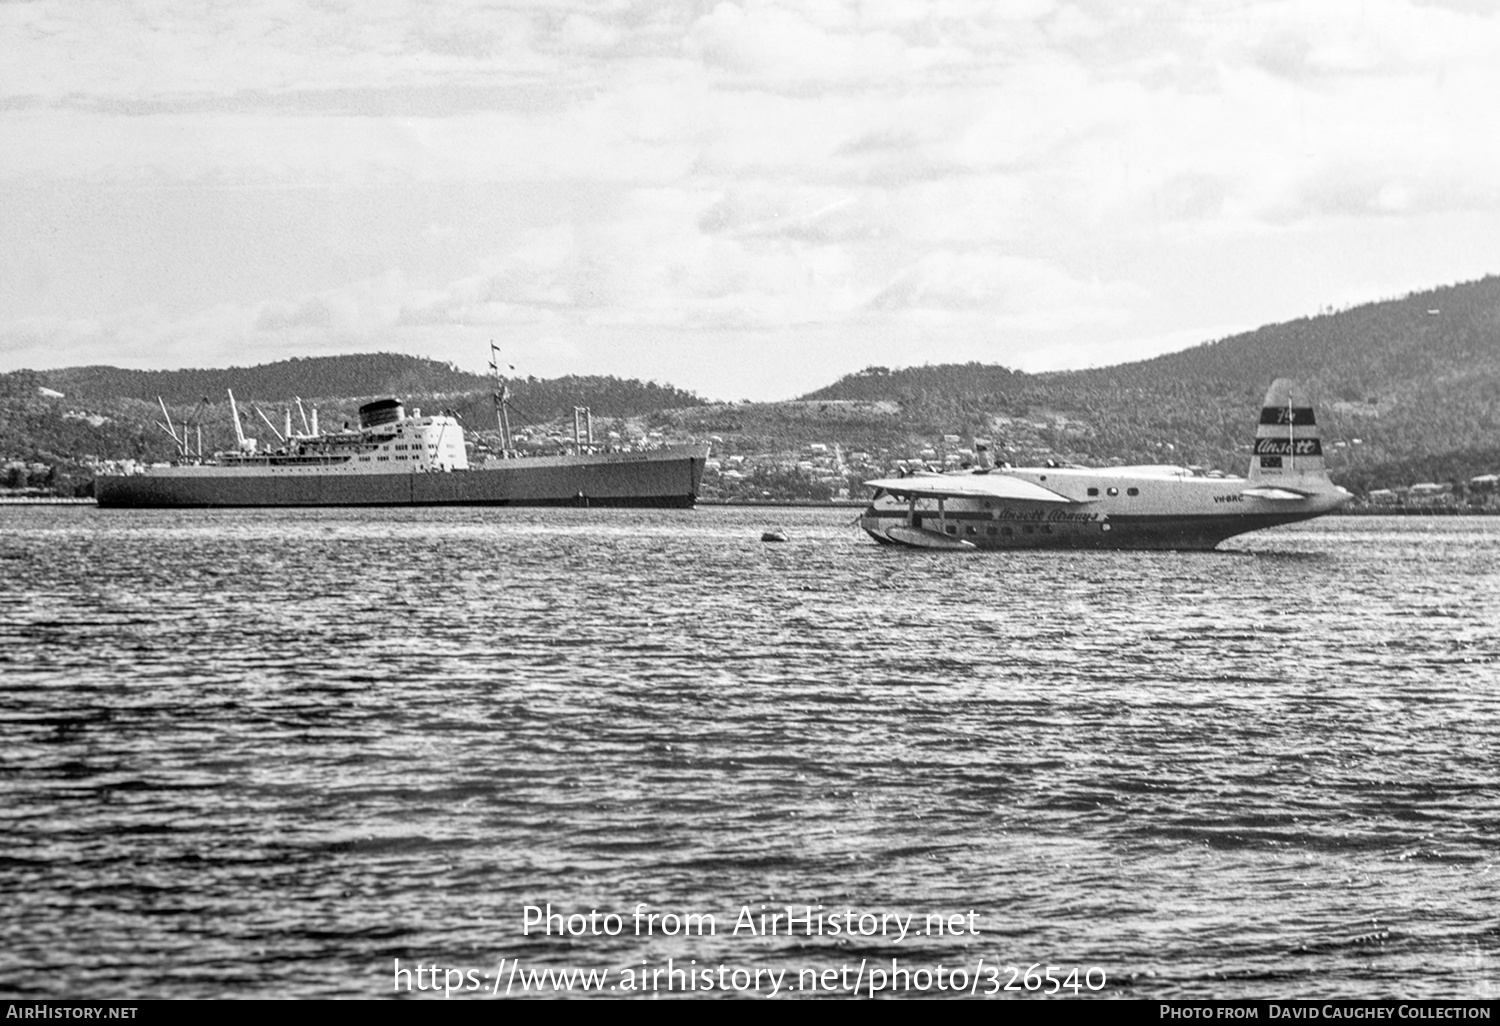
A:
[(1061, 505)]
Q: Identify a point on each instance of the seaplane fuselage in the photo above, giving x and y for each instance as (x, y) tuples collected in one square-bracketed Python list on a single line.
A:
[(1113, 508), (1143, 507)]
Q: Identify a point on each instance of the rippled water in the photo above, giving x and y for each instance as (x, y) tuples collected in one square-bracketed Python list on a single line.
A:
[(268, 753)]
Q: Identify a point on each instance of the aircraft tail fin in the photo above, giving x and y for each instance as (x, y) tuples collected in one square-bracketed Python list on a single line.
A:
[(1288, 444)]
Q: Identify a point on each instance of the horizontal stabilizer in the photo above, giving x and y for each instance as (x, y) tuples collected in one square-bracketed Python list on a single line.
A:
[(967, 486), (1265, 492)]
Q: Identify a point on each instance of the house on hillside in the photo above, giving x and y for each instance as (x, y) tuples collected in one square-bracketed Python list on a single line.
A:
[(1429, 493), (1484, 490)]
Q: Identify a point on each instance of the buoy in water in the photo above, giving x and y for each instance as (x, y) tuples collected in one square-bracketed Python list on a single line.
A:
[(773, 536)]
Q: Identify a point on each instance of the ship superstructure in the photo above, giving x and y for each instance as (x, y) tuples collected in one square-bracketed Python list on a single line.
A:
[(387, 441)]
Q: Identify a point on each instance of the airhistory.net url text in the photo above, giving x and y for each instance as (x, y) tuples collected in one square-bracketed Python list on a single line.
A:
[(511, 977)]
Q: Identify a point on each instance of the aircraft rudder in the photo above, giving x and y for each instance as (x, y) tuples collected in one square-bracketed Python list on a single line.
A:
[(1288, 441)]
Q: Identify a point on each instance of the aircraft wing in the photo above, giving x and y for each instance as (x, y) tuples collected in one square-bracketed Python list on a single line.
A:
[(967, 486)]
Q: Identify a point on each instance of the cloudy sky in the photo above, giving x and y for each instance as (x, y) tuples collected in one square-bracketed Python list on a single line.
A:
[(746, 198)]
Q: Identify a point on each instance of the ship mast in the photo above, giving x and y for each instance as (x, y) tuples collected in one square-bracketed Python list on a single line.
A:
[(279, 436), (583, 427), (234, 412), (182, 443), (502, 401)]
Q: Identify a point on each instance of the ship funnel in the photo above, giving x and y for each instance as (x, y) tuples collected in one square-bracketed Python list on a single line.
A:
[(982, 454), (381, 411)]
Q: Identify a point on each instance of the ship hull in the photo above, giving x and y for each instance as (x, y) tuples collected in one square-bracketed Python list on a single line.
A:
[(658, 478)]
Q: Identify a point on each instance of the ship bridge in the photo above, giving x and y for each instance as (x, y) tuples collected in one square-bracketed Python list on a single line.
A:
[(392, 438)]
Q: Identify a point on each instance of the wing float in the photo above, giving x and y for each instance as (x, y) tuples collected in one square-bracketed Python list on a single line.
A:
[(1279, 494)]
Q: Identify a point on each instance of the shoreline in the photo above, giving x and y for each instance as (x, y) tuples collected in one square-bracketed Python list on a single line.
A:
[(1401, 511), (859, 504)]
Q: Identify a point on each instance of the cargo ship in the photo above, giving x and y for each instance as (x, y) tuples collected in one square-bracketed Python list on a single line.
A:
[(398, 459)]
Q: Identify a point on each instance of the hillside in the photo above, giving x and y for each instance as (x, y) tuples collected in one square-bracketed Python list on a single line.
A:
[(342, 379), (1406, 389), (71, 417), (311, 377)]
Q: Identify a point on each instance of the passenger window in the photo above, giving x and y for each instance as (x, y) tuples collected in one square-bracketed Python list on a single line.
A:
[(1114, 491), (1132, 491), (1093, 491)]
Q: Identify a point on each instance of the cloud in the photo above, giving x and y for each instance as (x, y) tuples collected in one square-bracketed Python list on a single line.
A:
[(1102, 107), (777, 47), (325, 321), (811, 214), (1337, 39), (1008, 291), (717, 170), (352, 312), (143, 336)]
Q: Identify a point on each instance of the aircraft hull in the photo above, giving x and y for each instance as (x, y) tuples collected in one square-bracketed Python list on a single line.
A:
[(1105, 511), (1122, 532)]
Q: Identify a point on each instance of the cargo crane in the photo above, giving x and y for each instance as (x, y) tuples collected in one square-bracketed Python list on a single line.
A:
[(192, 424)]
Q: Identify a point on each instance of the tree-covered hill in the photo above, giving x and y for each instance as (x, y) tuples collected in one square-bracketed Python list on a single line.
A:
[(346, 378), (1400, 384), (538, 400), (1407, 390), (310, 377), (71, 416)]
